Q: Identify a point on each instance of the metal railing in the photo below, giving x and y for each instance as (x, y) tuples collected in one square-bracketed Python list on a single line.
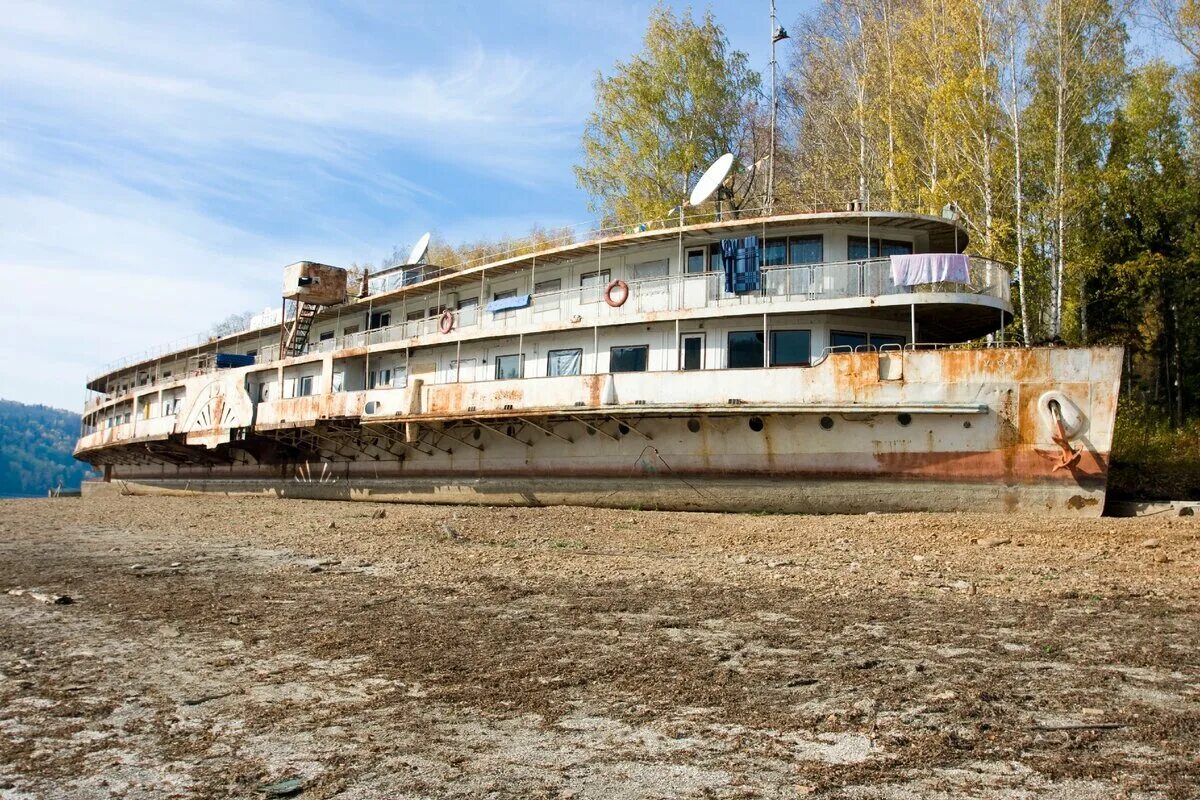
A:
[(829, 281), (825, 281)]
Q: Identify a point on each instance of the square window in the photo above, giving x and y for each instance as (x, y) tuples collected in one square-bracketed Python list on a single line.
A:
[(325, 337), (349, 329), (629, 359), (304, 386), (791, 348), (745, 349), (508, 367), (591, 285), (379, 319), (560, 363), (697, 261)]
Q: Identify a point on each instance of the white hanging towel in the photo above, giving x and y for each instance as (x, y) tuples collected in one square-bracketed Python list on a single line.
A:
[(929, 268)]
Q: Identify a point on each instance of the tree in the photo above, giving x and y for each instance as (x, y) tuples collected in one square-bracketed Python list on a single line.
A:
[(666, 114), (1146, 284)]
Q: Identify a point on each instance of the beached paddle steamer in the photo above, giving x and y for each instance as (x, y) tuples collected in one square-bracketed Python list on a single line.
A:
[(827, 362)]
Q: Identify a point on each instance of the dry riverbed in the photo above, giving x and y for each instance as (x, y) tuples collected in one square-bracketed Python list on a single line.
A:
[(251, 648)]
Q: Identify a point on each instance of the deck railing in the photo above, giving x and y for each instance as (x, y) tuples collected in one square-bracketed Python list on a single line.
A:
[(583, 306)]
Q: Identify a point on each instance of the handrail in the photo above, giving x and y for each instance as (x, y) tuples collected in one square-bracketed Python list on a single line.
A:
[(822, 280)]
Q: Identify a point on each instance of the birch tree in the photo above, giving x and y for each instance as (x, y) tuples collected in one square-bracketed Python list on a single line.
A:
[(665, 115)]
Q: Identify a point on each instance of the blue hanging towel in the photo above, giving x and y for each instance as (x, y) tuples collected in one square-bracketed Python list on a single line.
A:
[(740, 261)]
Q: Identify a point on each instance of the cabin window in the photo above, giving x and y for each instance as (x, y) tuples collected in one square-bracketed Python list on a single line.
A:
[(745, 349), (629, 359), (881, 339), (806, 249), (339, 381), (591, 285), (251, 353), (379, 379), (508, 367), (304, 386), (464, 370), (324, 337), (653, 276), (546, 293), (844, 339), (416, 316), (775, 253), (349, 329), (560, 363), (697, 261), (468, 310), (880, 248), (791, 348), (379, 319)]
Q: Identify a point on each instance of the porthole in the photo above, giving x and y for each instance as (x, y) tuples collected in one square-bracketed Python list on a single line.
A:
[(756, 424), (967, 424), (904, 419), (476, 434), (827, 423), (622, 429), (694, 425), (590, 431)]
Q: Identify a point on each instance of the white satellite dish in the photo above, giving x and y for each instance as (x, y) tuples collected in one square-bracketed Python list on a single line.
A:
[(418, 251), (711, 179)]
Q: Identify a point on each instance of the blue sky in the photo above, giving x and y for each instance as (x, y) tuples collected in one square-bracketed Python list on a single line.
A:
[(160, 163)]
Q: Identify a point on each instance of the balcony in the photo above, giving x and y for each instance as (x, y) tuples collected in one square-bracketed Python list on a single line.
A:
[(797, 284)]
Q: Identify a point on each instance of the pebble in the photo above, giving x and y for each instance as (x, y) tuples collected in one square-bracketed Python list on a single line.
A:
[(137, 566), (316, 568), (1151, 543), (1162, 558), (993, 541), (176, 563), (379, 513)]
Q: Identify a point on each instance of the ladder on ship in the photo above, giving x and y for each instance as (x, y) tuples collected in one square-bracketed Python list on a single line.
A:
[(296, 336)]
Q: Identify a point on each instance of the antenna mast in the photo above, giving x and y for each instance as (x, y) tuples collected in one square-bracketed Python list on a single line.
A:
[(778, 34)]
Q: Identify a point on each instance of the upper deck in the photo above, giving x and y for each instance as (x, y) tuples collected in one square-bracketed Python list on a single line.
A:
[(811, 263)]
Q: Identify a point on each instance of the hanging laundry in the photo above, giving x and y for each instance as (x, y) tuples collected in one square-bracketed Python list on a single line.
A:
[(740, 262), (929, 268)]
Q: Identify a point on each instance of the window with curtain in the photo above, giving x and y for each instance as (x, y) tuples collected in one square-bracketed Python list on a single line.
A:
[(652, 276), (560, 363), (591, 285)]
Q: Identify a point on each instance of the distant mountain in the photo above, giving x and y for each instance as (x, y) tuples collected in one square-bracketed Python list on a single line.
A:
[(35, 450)]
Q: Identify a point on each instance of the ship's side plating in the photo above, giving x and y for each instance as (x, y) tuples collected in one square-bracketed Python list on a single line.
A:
[(901, 429)]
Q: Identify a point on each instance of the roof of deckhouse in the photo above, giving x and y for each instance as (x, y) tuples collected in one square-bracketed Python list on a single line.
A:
[(945, 235)]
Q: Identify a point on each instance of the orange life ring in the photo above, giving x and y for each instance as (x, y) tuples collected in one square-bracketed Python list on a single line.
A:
[(446, 323), (624, 294)]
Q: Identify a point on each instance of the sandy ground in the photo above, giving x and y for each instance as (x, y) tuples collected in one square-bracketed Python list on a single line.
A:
[(245, 648)]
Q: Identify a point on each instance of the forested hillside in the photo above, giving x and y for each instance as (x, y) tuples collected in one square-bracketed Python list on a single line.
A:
[(35, 449)]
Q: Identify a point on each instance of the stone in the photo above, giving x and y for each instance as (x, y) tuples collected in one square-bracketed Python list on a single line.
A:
[(379, 513), (137, 566), (316, 568), (176, 564), (1187, 511), (993, 541), (332, 525), (1151, 543), (1162, 558)]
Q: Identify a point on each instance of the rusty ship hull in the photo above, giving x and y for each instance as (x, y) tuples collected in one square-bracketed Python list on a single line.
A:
[(942, 429)]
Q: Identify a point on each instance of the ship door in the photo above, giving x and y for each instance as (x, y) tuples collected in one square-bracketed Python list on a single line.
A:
[(691, 351)]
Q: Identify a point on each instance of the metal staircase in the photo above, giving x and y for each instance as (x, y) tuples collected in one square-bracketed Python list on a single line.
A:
[(295, 337)]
